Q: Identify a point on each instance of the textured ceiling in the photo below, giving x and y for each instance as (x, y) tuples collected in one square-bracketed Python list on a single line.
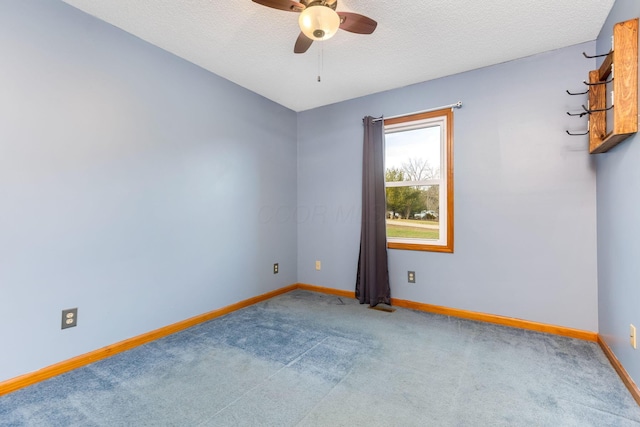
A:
[(415, 41)]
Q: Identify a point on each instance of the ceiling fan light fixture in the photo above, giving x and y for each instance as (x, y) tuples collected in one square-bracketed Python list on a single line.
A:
[(319, 22)]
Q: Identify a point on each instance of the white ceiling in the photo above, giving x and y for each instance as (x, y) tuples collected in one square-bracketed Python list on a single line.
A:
[(415, 41)]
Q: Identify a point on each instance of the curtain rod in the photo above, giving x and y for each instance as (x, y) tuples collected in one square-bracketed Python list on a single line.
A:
[(456, 105)]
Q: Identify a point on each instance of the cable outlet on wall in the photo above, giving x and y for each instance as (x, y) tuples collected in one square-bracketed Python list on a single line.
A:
[(69, 318), (632, 336), (318, 265), (275, 268)]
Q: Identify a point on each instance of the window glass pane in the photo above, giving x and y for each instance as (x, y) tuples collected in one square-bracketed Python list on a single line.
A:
[(414, 152), (413, 212)]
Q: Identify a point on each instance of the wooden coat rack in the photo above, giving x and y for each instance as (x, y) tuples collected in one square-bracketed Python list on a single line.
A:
[(621, 68)]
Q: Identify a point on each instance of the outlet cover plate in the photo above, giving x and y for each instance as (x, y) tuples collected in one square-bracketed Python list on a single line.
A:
[(275, 268), (411, 276), (69, 318)]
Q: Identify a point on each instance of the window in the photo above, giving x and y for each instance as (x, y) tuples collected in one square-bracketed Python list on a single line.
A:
[(419, 181)]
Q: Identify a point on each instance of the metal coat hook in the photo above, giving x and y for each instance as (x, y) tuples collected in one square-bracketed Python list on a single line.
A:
[(576, 114), (577, 134), (596, 110), (595, 56), (597, 83), (578, 93)]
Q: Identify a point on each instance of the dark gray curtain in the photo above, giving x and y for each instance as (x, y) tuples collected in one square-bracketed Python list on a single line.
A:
[(372, 282)]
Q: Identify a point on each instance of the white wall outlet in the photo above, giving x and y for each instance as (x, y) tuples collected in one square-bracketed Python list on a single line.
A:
[(411, 276), (632, 336), (275, 268), (318, 265)]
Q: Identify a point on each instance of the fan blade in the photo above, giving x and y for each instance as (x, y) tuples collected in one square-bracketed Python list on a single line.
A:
[(289, 5), (302, 44), (356, 23)]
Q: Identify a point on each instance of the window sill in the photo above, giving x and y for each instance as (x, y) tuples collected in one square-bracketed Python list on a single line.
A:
[(420, 247)]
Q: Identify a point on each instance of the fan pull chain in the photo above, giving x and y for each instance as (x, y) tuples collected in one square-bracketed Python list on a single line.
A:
[(320, 60)]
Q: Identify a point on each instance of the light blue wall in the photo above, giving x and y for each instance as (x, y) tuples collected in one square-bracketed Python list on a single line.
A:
[(525, 216), (133, 185), (618, 190)]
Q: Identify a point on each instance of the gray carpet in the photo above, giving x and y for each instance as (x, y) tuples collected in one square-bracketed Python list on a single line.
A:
[(307, 359)]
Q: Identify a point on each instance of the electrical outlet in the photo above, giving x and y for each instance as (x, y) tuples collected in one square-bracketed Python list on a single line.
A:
[(275, 268), (69, 318), (632, 336), (318, 265), (411, 276)]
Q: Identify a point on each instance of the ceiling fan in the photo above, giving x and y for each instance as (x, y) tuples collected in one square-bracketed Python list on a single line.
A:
[(320, 21)]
